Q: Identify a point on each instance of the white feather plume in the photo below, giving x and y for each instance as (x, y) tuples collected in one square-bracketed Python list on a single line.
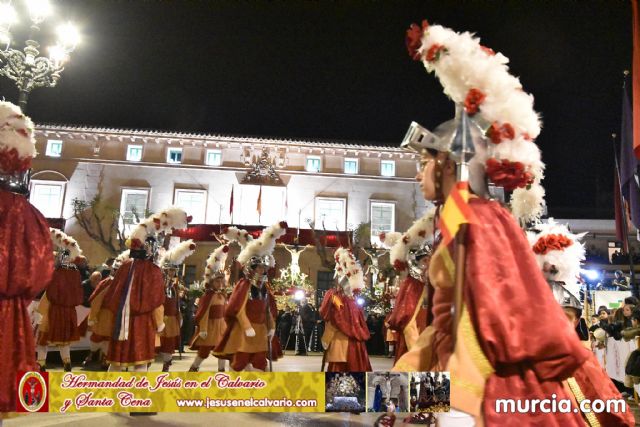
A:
[(16, 133), (235, 234), (390, 238), (263, 245), (216, 262), (63, 241), (179, 253), (421, 231)]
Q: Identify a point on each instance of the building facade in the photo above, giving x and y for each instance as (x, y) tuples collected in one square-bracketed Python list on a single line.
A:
[(223, 180)]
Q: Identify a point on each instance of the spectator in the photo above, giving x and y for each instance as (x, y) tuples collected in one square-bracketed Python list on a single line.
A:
[(88, 286)]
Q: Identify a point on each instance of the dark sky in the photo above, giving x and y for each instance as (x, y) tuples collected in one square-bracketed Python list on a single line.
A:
[(339, 70)]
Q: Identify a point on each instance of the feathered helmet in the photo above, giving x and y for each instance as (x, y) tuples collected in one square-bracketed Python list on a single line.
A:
[(17, 148), (259, 251), (414, 245), (348, 271), (559, 254), (216, 263), (176, 255), (143, 236), (492, 111), (67, 248)]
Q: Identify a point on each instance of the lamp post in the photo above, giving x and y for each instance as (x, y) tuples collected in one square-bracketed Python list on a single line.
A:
[(26, 67)]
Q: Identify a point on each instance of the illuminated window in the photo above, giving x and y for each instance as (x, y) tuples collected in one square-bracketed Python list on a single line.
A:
[(194, 203), (388, 168), (313, 164), (351, 166), (174, 155), (330, 213), (54, 148), (133, 206), (47, 197), (214, 157), (383, 219), (134, 153)]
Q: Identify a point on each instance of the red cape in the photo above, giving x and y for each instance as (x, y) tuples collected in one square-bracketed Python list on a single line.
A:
[(26, 267), (203, 305), (101, 287), (147, 287), (523, 332), (348, 318), (406, 302)]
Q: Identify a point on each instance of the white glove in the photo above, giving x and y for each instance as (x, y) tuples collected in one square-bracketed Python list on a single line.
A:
[(91, 323), (271, 333), (324, 345), (250, 332), (203, 335), (181, 322), (161, 328), (38, 317)]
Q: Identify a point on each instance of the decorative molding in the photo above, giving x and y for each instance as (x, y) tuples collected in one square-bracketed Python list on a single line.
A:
[(262, 171)]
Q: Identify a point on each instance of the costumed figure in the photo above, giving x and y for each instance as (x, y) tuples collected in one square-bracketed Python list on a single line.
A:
[(136, 296), (489, 292), (409, 316), (249, 340), (210, 324), (170, 336), (26, 265), (100, 319), (345, 332), (59, 322)]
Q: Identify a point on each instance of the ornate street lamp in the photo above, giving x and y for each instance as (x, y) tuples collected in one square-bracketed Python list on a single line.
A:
[(26, 68)]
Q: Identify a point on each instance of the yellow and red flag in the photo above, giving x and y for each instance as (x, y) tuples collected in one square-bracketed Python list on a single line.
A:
[(456, 211)]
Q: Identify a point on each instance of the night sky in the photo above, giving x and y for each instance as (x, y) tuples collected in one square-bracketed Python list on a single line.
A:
[(339, 70)]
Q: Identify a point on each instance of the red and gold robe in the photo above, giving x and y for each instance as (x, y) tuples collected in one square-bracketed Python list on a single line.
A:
[(26, 267), (513, 340), (145, 313), (101, 317), (170, 336), (408, 318), (209, 318), (345, 333), (241, 314), (58, 308)]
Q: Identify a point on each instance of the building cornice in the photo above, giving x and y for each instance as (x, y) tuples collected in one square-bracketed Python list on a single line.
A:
[(95, 134)]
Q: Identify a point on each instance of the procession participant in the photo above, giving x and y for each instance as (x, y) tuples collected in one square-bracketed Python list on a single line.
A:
[(100, 319), (251, 311), (136, 296), (26, 248), (59, 322), (345, 327), (170, 336), (210, 324), (409, 316), (491, 354)]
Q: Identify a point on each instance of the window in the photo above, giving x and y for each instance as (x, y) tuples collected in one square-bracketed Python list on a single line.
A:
[(47, 197), (174, 155), (351, 166), (134, 153), (388, 168), (330, 213), (214, 157), (313, 164), (194, 202), (383, 219), (133, 206), (54, 148)]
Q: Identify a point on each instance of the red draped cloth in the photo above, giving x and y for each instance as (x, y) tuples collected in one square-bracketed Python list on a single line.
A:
[(64, 294), (104, 283), (347, 318), (26, 267), (147, 294), (521, 329), (407, 301)]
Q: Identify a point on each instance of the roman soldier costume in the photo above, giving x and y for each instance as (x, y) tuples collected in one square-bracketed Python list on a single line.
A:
[(345, 332), (409, 316), (59, 321), (170, 336), (27, 264), (249, 337), (493, 343), (210, 324), (136, 296)]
